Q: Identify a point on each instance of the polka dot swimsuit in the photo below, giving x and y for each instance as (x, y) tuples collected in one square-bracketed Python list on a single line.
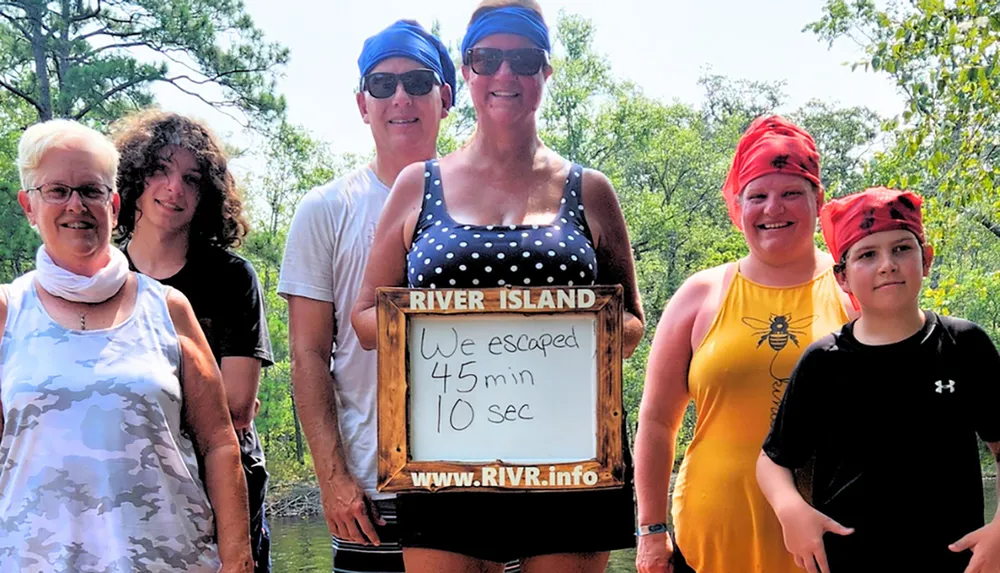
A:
[(446, 254)]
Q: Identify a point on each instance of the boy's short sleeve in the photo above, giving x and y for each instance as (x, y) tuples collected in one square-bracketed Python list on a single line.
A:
[(793, 435), (245, 332), (983, 364)]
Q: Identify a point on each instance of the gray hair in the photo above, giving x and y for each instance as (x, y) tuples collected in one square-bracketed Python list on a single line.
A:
[(40, 138)]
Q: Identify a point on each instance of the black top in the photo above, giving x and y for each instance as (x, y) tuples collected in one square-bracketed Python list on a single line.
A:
[(227, 300), (448, 254), (891, 431)]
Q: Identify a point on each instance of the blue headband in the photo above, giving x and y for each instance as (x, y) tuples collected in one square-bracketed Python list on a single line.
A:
[(406, 40), (508, 20)]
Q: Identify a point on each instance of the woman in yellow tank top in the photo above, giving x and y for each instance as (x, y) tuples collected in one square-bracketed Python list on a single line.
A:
[(729, 338)]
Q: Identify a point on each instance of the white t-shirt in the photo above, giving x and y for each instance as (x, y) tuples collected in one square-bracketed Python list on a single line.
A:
[(325, 255)]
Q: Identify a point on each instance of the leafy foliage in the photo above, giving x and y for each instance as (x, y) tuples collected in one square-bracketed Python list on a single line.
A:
[(98, 58)]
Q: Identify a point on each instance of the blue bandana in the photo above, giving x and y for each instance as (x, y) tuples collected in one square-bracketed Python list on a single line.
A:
[(508, 20), (405, 40)]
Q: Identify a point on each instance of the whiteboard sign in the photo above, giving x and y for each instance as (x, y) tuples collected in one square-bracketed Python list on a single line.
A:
[(526, 393), (500, 388)]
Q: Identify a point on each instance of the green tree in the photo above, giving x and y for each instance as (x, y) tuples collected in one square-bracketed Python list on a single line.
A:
[(19, 241), (98, 58), (295, 162), (943, 57)]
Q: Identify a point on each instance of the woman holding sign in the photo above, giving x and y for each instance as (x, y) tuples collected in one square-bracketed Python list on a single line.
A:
[(517, 214), (729, 339)]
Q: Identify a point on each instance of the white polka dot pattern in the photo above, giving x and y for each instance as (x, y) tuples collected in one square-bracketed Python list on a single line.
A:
[(459, 256)]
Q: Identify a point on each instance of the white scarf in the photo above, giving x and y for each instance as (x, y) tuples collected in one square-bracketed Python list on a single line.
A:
[(59, 282)]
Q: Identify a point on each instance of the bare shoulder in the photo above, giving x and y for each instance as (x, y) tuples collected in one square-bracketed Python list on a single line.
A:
[(696, 302), (696, 289), (412, 175), (597, 188), (180, 310)]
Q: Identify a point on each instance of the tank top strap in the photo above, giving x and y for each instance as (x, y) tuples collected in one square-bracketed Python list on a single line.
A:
[(432, 201), (17, 293), (571, 210)]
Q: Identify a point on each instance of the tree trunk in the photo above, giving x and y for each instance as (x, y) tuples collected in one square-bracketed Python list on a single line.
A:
[(61, 55), (35, 10)]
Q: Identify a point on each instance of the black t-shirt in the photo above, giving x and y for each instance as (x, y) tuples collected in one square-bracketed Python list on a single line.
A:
[(228, 301), (891, 431)]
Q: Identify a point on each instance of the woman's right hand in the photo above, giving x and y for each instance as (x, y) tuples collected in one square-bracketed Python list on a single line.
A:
[(654, 554), (803, 528)]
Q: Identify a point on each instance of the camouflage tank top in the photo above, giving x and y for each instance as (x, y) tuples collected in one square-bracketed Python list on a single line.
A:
[(95, 472)]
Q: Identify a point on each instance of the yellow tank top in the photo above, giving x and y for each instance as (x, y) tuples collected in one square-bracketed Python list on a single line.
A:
[(737, 377)]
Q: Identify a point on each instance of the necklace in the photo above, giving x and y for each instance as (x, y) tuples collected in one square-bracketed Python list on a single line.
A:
[(90, 306), (83, 315)]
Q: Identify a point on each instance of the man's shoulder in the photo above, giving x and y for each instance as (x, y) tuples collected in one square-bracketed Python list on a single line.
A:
[(347, 190)]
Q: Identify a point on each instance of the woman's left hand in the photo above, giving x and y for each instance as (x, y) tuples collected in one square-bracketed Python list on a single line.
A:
[(985, 545)]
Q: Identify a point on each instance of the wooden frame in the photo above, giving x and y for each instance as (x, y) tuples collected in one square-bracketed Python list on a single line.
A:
[(396, 305)]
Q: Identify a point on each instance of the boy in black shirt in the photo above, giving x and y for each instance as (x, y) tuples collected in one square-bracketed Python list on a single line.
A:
[(887, 411)]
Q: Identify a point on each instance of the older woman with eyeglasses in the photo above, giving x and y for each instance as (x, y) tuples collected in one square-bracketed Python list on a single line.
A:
[(107, 386), (510, 211)]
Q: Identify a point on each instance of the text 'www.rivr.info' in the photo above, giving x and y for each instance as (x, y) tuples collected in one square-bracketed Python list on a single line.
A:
[(520, 476)]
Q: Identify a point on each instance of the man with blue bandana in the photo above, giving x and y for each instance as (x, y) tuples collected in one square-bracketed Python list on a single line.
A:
[(407, 84)]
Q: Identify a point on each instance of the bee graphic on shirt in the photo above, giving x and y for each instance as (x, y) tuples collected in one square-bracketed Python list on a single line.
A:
[(778, 329)]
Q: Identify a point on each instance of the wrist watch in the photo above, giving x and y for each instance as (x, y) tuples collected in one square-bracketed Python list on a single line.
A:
[(651, 529)]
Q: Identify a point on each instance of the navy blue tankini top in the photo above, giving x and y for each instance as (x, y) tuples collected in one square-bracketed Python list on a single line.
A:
[(447, 254)]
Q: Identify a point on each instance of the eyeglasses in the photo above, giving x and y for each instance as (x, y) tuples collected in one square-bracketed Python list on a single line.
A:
[(383, 84), (523, 61), (57, 193)]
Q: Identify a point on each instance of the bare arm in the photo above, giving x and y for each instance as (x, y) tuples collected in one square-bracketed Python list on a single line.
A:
[(310, 338), (241, 378), (207, 414), (802, 525), (777, 483), (387, 261), (614, 252), (664, 399)]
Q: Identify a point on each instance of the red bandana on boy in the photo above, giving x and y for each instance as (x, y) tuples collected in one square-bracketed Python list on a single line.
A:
[(771, 144), (849, 219)]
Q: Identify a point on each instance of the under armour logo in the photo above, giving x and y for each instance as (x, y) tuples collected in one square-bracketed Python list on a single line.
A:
[(941, 386)]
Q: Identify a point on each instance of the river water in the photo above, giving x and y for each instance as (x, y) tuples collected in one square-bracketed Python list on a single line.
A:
[(303, 545)]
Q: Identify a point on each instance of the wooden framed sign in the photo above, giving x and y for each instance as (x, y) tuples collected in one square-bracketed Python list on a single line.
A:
[(500, 389)]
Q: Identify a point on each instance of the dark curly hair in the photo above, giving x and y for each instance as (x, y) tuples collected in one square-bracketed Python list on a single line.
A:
[(140, 137)]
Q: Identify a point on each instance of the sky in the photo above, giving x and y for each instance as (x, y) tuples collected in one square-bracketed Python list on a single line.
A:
[(664, 46)]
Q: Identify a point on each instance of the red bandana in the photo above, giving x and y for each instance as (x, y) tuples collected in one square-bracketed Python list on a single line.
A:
[(849, 219), (771, 144)]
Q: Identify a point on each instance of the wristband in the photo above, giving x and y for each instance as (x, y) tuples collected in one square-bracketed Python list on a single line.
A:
[(651, 529)]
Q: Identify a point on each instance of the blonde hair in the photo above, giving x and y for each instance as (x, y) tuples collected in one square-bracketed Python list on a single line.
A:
[(43, 137), (487, 5)]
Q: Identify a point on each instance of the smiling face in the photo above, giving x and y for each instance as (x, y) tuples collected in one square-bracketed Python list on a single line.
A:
[(884, 271), (778, 214), (76, 233), (171, 193), (402, 122), (506, 97)]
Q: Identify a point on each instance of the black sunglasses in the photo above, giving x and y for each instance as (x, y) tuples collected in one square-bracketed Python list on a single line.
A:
[(523, 61), (416, 83)]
